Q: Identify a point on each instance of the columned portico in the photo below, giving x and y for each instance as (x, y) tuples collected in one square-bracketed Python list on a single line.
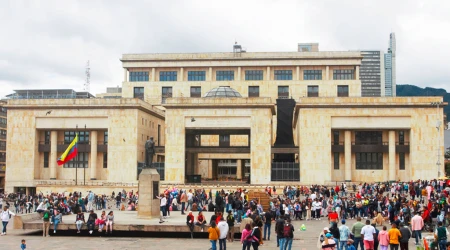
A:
[(93, 159), (348, 155), (53, 153), (392, 155)]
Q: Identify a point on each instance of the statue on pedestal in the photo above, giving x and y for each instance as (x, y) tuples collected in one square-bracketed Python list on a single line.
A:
[(149, 152)]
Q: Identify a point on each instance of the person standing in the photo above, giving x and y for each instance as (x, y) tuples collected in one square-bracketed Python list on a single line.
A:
[(368, 234), (383, 238), (230, 222), (441, 234), (183, 200), (356, 231), (416, 227), (267, 224), (288, 233), (190, 200), (46, 223), (91, 197), (223, 229), (162, 205), (344, 234), (6, 215), (394, 237), (279, 230), (406, 234), (213, 236)]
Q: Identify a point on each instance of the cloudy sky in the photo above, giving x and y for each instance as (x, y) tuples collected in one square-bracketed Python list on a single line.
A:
[(46, 44)]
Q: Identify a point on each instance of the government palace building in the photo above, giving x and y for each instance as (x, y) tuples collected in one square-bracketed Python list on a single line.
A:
[(264, 118)]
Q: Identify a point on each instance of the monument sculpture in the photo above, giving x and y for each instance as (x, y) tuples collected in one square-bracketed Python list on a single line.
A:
[(149, 152)]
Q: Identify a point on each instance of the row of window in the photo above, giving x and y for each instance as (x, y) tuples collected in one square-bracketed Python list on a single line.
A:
[(83, 137), (369, 138), (80, 161), (250, 75), (366, 161), (253, 91)]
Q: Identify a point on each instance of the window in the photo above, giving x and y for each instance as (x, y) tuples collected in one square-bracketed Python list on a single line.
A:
[(254, 75), (283, 91), (369, 161), (105, 160), (283, 75), (167, 76), (401, 161), (336, 161), (227, 171), (343, 74), (312, 75), (313, 91), (47, 137), (224, 140), (138, 92), (369, 138), (196, 91), (83, 137), (225, 75), (80, 161), (335, 137), (401, 137), (159, 135), (139, 76), (166, 93), (196, 75), (46, 159), (105, 137), (253, 91), (342, 90)]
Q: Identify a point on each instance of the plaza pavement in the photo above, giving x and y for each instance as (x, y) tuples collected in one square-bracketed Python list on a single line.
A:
[(303, 240)]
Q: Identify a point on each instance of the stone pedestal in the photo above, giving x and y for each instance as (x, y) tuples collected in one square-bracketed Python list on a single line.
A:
[(148, 190)]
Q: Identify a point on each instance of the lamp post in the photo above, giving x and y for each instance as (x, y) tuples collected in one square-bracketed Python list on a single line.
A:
[(438, 127)]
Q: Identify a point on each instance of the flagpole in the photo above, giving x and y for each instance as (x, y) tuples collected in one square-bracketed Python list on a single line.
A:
[(84, 167), (76, 164)]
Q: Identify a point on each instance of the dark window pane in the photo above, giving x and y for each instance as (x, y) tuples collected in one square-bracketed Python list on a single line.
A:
[(167, 76), (312, 75), (253, 91), (283, 75), (139, 76), (254, 75), (225, 75), (196, 75)]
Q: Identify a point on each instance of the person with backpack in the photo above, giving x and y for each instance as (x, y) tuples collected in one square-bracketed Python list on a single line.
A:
[(6, 215), (46, 224), (288, 234), (441, 234), (230, 222), (279, 224)]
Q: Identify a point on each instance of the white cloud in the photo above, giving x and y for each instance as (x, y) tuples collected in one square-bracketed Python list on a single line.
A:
[(46, 44)]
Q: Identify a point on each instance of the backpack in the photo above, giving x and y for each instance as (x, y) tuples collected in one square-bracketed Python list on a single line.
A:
[(46, 215), (287, 231)]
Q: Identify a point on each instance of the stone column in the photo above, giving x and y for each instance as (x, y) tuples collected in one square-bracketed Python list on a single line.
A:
[(153, 74), (53, 154), (180, 79), (327, 73), (357, 73), (210, 74), (298, 73), (125, 75), (268, 74), (240, 164), (391, 155), (93, 160), (239, 74), (210, 169), (348, 155)]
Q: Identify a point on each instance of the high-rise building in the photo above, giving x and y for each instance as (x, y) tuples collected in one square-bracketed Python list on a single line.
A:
[(371, 73), (390, 67)]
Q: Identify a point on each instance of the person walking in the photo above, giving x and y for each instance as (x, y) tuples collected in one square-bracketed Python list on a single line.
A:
[(46, 223), (344, 234), (368, 234), (416, 227), (383, 238), (223, 229), (246, 238), (79, 220), (406, 235), (213, 236), (394, 237), (230, 222), (6, 215), (356, 231)]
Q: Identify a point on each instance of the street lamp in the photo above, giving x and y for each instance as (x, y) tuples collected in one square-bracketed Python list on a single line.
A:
[(438, 126)]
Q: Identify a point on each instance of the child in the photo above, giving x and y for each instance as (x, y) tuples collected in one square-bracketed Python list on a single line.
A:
[(23, 245), (350, 245)]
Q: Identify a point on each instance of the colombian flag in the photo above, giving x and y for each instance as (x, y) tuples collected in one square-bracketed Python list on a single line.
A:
[(70, 152)]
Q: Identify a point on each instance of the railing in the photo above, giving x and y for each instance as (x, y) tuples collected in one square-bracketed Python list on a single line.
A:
[(88, 183), (364, 143), (285, 171)]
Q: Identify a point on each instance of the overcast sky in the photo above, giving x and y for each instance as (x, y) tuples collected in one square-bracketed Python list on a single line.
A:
[(46, 44)]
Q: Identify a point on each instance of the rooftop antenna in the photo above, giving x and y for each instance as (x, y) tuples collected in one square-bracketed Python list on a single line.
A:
[(237, 49), (87, 84)]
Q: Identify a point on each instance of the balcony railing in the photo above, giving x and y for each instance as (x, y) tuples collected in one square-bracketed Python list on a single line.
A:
[(83, 147), (402, 147), (337, 147), (370, 147)]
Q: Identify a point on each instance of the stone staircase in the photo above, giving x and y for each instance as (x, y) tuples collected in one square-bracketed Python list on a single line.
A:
[(264, 199)]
